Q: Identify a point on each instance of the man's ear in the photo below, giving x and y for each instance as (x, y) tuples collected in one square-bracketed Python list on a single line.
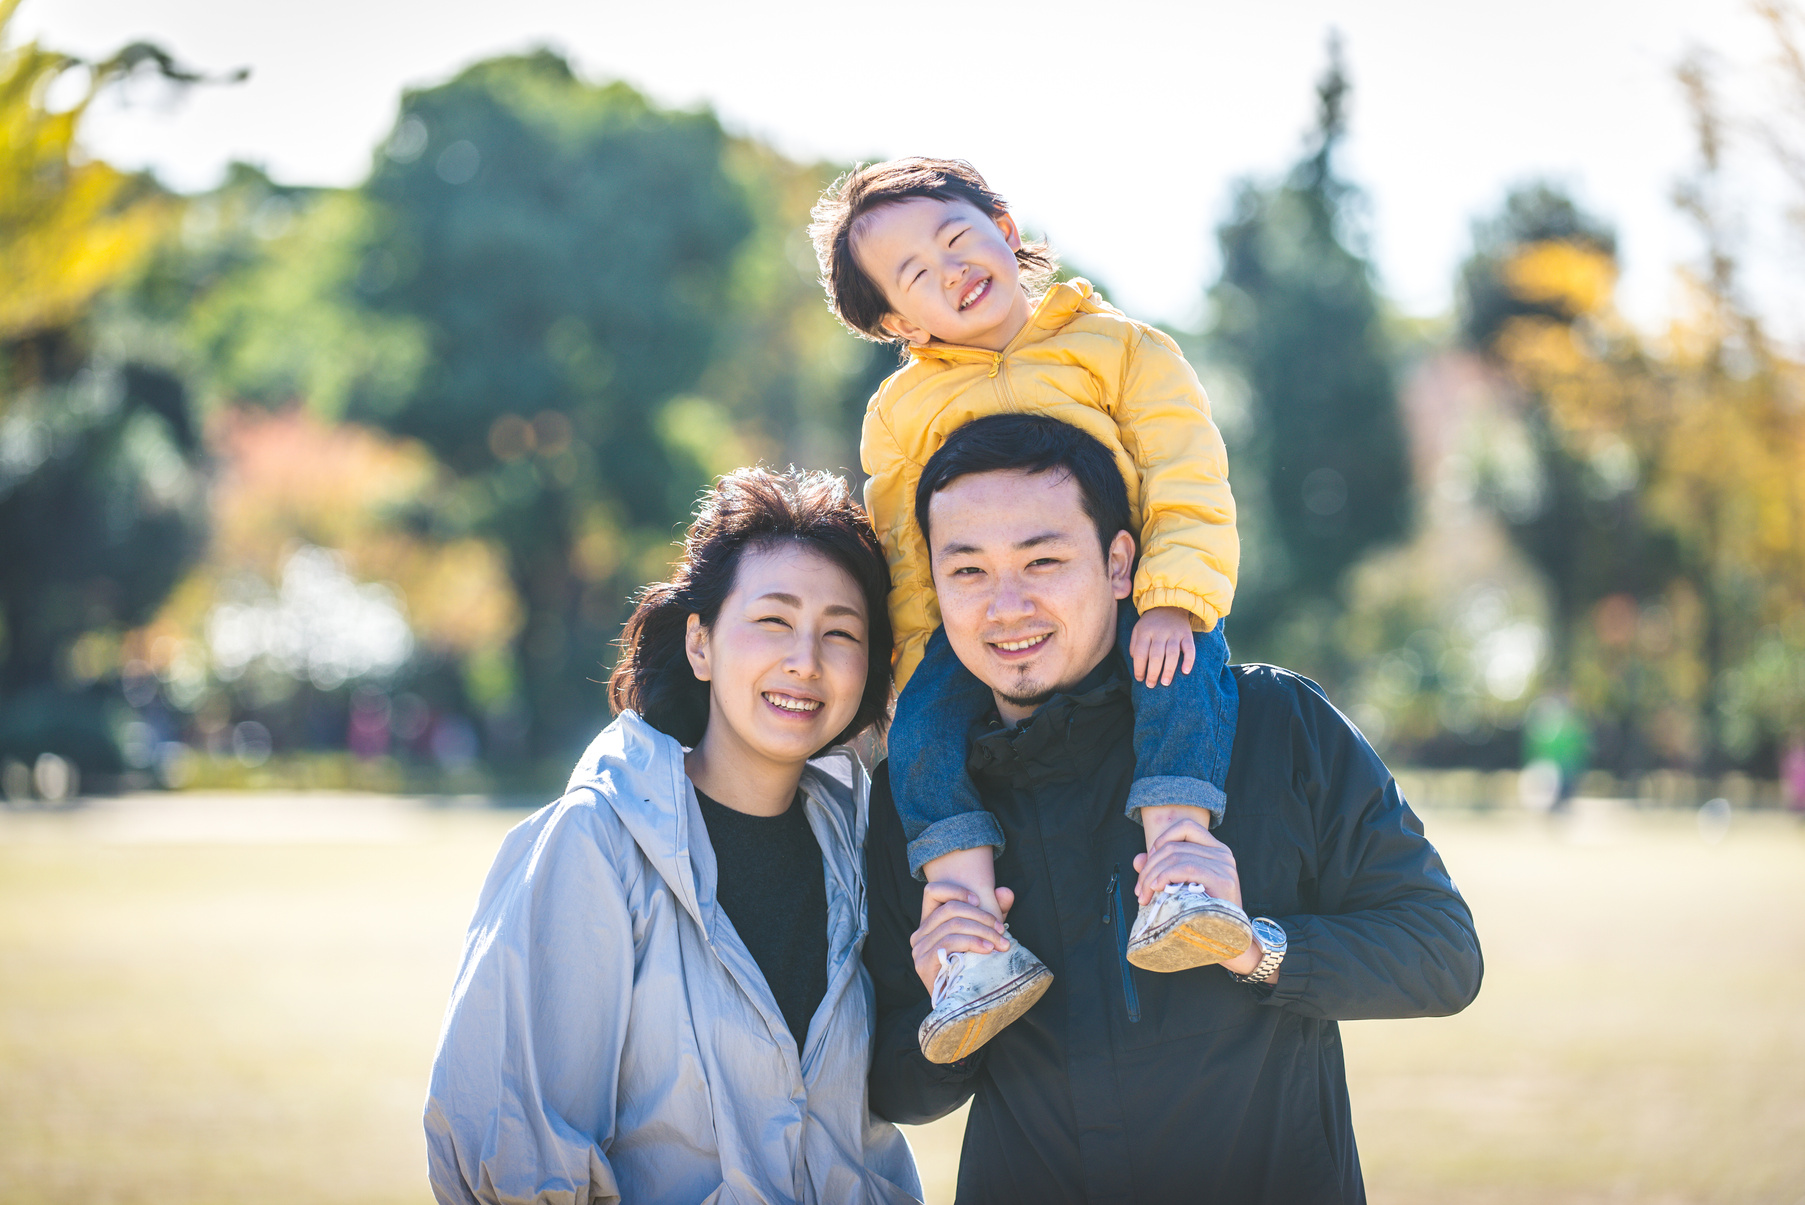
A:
[(1120, 563), (1012, 234), (695, 647), (903, 329)]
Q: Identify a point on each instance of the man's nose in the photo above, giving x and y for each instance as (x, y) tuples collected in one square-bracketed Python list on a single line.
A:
[(1010, 601)]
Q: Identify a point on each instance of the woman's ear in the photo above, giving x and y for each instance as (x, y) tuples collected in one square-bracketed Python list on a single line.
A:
[(1120, 563), (695, 647), (1012, 234), (903, 329)]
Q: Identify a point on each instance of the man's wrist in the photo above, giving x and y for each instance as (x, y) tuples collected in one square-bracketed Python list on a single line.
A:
[(1260, 962), (1244, 962)]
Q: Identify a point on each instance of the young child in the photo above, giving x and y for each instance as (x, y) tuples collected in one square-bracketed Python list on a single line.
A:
[(921, 252)]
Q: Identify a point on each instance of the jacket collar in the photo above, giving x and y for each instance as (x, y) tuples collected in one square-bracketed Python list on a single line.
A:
[(639, 772), (1062, 303), (1064, 737)]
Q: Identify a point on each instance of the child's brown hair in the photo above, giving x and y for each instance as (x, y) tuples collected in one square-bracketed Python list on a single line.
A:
[(853, 296)]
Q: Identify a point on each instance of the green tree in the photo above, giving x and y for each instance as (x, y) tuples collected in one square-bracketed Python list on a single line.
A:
[(565, 249), (1544, 263), (101, 505), (1324, 475)]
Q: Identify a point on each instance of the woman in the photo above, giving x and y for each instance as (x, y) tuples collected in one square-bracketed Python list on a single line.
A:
[(661, 997)]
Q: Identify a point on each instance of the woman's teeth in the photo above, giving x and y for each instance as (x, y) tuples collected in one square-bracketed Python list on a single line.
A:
[(789, 704), (1016, 646)]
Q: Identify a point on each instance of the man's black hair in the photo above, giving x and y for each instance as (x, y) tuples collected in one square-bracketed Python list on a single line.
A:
[(1031, 443)]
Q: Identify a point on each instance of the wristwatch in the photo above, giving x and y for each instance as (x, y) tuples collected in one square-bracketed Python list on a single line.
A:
[(1272, 940)]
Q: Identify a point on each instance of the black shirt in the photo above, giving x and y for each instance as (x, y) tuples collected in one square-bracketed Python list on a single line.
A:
[(773, 887), (1122, 1086)]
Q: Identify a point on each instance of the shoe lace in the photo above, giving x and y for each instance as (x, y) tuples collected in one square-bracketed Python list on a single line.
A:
[(950, 965), (1173, 890)]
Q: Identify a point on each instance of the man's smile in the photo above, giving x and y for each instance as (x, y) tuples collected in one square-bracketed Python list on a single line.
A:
[(1022, 646)]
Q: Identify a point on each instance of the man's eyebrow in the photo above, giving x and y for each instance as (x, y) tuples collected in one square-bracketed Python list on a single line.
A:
[(1045, 537)]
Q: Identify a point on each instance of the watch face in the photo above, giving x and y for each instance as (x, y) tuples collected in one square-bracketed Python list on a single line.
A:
[(1271, 936)]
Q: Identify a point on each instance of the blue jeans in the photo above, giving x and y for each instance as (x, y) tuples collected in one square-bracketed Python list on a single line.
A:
[(1183, 735)]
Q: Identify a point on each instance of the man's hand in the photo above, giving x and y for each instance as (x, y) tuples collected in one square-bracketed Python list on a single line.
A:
[(952, 920), (1162, 640), (1186, 852)]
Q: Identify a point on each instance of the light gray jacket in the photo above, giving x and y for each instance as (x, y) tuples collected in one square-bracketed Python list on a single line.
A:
[(609, 1037)]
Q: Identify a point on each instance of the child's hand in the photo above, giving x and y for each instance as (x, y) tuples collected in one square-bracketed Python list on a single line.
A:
[(1162, 638)]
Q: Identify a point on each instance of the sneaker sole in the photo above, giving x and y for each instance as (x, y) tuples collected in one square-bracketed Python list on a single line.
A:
[(958, 1035), (1194, 941)]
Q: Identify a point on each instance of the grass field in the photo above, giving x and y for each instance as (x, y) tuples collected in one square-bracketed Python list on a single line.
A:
[(227, 999)]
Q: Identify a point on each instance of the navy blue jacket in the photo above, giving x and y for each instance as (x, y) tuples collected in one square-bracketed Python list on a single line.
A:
[(1122, 1085)]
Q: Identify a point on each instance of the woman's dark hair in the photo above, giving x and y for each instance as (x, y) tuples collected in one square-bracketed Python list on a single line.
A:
[(853, 296), (748, 509), (1032, 443)]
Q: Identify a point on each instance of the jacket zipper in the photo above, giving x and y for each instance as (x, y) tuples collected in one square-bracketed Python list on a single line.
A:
[(1112, 914), (996, 363)]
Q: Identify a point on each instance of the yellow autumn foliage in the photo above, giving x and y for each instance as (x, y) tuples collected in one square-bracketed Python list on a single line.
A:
[(1714, 419), (68, 227), (1572, 277)]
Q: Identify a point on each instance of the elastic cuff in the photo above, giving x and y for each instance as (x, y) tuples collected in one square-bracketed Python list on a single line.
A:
[(967, 830), (1294, 971), (1203, 614), (1173, 790)]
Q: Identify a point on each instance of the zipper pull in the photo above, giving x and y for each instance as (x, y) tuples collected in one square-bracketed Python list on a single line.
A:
[(1109, 898), (996, 363)]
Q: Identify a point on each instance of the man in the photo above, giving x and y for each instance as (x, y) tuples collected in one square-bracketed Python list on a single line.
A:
[(1119, 1085)]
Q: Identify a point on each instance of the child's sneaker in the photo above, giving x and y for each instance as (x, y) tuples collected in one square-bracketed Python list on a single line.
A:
[(975, 995), (1184, 927)]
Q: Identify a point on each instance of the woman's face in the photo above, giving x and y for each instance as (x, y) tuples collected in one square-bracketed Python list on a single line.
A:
[(787, 658)]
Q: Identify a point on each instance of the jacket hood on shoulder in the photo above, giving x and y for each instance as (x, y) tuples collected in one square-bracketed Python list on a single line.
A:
[(1063, 302), (638, 771)]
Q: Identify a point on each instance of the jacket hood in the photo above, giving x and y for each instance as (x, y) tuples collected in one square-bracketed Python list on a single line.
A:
[(638, 772), (1062, 303)]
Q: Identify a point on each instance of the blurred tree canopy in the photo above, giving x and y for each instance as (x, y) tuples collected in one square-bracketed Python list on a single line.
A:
[(1666, 500), (577, 305), (101, 505), (1324, 477)]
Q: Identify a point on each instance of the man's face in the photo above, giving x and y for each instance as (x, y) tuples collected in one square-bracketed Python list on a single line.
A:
[(1027, 596), (947, 270)]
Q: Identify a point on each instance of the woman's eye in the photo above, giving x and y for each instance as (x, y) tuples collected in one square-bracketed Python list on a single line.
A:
[(843, 632), (777, 619)]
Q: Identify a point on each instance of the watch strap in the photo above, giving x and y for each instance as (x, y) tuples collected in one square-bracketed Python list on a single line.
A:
[(1274, 952)]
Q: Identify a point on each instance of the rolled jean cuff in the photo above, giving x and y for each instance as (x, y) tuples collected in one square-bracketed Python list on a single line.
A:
[(1174, 791), (967, 830)]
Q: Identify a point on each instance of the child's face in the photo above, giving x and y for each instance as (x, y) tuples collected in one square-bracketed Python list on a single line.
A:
[(947, 269)]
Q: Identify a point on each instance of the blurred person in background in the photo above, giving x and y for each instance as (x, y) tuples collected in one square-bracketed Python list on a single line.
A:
[(1792, 774), (661, 996)]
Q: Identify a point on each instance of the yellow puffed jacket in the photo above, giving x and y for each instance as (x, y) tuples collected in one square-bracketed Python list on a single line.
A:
[(1083, 362)]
